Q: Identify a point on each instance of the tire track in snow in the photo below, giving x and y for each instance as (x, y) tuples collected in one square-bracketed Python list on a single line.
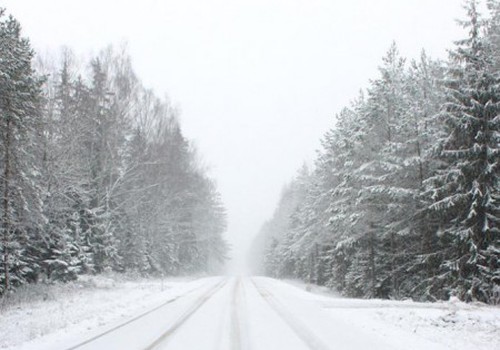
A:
[(239, 339), (235, 318), (303, 332), (224, 317), (115, 328), (199, 302)]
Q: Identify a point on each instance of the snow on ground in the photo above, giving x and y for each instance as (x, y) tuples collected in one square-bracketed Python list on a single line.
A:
[(453, 324), (237, 314), (66, 311)]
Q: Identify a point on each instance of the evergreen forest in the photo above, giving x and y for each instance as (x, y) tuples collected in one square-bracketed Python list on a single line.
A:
[(95, 172), (403, 198)]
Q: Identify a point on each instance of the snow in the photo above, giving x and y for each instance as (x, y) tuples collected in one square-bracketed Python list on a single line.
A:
[(447, 325), (241, 313), (91, 303)]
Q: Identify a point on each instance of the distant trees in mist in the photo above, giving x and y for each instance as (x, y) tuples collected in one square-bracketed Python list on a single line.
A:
[(96, 173), (403, 199)]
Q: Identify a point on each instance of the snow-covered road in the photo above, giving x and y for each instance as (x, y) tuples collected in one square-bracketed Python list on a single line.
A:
[(243, 313)]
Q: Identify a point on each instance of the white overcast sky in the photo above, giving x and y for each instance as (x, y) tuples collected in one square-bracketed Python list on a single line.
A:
[(258, 81)]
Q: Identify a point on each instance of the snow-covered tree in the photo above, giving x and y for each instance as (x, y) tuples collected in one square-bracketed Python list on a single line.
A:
[(96, 173), (466, 190), (20, 111), (404, 197)]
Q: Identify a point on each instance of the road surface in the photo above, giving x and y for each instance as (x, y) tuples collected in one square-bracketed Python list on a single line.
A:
[(244, 313)]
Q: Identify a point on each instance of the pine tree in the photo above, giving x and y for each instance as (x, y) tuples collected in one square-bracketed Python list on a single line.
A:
[(20, 98), (466, 190), (420, 244), (343, 153)]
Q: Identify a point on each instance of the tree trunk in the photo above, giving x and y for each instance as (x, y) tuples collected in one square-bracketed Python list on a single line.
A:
[(6, 219), (393, 266), (372, 262)]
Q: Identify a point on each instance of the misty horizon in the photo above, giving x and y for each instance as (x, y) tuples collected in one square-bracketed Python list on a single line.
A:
[(275, 74)]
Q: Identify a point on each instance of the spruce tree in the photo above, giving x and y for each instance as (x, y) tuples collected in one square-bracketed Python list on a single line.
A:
[(20, 98), (466, 190)]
